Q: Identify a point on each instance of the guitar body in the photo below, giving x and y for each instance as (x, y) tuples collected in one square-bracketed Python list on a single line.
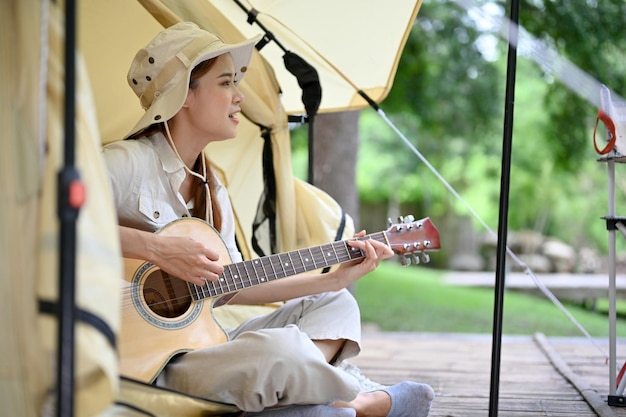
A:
[(159, 317)]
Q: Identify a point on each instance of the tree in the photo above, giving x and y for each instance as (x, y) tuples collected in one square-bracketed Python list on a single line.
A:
[(335, 150)]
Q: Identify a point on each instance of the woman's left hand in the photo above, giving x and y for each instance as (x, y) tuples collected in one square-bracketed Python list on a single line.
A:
[(374, 251)]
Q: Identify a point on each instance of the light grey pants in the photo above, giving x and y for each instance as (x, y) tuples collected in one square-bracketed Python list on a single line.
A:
[(271, 360)]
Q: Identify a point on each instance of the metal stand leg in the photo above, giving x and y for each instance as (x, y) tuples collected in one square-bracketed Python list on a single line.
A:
[(615, 397)]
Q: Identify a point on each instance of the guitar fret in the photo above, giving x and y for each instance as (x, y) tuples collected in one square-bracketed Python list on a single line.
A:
[(315, 256), (354, 253), (301, 261), (223, 279), (245, 266), (312, 258), (238, 276), (329, 255), (280, 270), (342, 248), (260, 263), (200, 289), (293, 266), (285, 263), (195, 289), (334, 252), (273, 275), (214, 285)]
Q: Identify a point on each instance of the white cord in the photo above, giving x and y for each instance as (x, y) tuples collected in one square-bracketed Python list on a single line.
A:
[(203, 178)]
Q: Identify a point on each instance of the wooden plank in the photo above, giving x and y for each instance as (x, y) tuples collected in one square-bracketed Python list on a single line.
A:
[(458, 367)]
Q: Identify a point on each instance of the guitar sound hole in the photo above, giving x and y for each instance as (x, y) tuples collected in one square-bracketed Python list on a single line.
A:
[(165, 295)]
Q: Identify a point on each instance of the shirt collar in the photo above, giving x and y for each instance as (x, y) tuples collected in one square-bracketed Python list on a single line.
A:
[(171, 162)]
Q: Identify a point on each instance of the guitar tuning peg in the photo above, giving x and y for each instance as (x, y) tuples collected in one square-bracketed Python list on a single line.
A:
[(389, 222), (405, 261), (425, 257), (400, 219), (415, 258), (409, 218)]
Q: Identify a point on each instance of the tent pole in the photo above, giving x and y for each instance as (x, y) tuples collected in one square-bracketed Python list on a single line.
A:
[(504, 208), (70, 197)]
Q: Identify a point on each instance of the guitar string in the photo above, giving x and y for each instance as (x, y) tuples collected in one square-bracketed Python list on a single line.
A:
[(322, 259), (219, 289)]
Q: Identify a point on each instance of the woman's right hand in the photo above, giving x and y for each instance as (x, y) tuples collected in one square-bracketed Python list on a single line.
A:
[(187, 259), (182, 257)]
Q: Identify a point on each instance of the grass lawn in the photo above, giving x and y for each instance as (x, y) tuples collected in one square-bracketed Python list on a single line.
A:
[(415, 298)]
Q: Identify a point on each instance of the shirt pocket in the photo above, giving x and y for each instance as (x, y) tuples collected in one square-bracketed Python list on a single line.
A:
[(155, 211)]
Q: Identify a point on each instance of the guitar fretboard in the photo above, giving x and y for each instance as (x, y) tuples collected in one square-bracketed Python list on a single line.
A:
[(257, 271)]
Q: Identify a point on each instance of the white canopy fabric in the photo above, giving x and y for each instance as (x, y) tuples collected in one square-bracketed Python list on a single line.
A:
[(353, 45)]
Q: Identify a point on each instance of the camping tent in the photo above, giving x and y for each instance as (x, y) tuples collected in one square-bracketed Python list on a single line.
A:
[(32, 112)]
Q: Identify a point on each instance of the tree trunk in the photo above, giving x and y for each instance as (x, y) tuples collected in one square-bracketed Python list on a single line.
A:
[(335, 152)]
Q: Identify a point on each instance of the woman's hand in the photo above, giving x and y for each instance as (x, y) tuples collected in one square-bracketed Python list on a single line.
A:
[(182, 257), (187, 259), (374, 251)]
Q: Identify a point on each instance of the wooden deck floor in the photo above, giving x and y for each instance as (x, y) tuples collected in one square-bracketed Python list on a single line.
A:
[(538, 377)]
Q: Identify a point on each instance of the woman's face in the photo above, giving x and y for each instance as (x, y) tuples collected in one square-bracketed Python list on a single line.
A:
[(213, 104)]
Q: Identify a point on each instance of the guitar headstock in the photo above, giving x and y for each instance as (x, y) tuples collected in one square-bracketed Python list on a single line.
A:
[(412, 239)]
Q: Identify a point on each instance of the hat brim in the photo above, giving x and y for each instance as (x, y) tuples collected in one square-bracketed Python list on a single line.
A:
[(170, 101)]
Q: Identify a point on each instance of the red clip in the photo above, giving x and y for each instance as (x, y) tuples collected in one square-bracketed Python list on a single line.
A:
[(76, 197), (610, 127)]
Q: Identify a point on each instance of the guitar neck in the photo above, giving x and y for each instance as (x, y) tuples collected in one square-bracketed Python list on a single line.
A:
[(240, 275)]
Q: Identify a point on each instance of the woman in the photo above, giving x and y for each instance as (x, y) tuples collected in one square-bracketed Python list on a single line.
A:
[(276, 365)]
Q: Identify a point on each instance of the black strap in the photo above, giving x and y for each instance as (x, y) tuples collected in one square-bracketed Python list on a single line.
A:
[(266, 210), (298, 118), (308, 80), (49, 307)]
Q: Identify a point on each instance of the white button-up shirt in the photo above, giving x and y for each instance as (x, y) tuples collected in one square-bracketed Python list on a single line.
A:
[(146, 176)]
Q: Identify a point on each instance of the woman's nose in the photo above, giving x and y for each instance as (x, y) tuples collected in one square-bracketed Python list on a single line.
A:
[(238, 98)]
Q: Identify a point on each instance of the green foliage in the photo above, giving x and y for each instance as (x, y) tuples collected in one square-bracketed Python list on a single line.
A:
[(592, 35), (448, 99)]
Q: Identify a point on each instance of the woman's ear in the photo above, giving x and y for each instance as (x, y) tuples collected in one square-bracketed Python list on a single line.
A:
[(190, 96)]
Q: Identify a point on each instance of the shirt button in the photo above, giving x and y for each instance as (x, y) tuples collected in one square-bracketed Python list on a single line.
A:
[(156, 214)]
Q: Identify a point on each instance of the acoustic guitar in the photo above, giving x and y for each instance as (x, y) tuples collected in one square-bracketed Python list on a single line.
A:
[(163, 316)]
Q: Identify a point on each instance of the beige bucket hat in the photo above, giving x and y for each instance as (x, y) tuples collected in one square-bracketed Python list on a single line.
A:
[(159, 74)]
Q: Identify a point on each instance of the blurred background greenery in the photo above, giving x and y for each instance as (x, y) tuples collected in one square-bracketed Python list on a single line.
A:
[(448, 100)]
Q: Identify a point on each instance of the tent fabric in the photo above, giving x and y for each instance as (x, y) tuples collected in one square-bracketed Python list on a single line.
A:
[(98, 254), (32, 116), (23, 364)]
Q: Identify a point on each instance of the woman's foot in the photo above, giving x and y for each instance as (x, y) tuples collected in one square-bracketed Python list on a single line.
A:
[(406, 399)]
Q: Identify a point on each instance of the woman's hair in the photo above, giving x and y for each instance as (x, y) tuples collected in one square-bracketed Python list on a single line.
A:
[(199, 193), (198, 190)]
